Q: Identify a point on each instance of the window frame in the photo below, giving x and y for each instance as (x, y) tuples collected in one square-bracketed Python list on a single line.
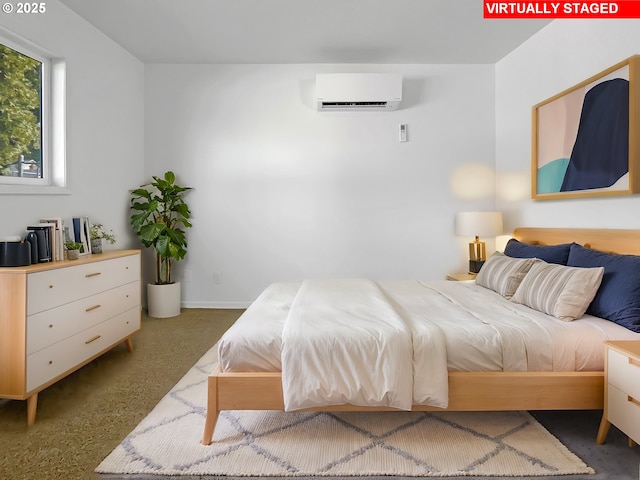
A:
[(53, 122)]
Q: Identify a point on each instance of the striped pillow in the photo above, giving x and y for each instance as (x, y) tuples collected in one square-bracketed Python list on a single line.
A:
[(503, 274), (563, 292)]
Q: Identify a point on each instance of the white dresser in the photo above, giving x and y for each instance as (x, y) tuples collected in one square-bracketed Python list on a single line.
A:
[(56, 317), (622, 390)]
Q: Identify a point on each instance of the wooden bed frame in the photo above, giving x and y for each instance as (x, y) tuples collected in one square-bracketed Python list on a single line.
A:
[(468, 391)]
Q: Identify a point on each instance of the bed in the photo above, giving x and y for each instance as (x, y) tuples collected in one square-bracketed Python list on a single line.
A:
[(469, 387)]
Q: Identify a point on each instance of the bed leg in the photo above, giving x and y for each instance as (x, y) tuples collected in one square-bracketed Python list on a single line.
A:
[(212, 410)]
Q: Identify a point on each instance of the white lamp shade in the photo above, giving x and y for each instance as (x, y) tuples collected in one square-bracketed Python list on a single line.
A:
[(481, 224)]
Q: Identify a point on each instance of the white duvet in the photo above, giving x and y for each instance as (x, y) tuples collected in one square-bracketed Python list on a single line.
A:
[(343, 342), (413, 333)]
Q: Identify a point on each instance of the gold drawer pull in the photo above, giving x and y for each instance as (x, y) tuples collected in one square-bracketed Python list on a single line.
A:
[(92, 339), (92, 308), (633, 400), (634, 362), (89, 275)]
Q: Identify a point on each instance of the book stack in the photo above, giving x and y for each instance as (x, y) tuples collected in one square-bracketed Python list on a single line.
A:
[(56, 228), (44, 242), (51, 235)]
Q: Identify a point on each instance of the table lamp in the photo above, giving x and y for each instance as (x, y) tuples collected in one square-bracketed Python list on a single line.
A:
[(477, 224)]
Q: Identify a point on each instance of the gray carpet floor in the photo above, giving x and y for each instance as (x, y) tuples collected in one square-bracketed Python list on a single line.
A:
[(86, 415)]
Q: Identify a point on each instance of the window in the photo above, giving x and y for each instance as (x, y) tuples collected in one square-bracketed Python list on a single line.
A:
[(32, 119), (21, 118)]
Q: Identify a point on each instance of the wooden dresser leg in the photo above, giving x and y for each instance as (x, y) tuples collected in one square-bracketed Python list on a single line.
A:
[(212, 410), (603, 430), (32, 405), (129, 344)]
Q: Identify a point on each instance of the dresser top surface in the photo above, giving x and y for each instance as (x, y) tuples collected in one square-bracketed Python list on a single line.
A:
[(84, 259)]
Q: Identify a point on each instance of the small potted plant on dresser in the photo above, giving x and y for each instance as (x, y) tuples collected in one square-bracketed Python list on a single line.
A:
[(158, 216), (73, 250), (97, 233)]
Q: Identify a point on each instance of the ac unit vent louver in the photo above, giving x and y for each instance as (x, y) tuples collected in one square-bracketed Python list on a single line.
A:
[(343, 105)]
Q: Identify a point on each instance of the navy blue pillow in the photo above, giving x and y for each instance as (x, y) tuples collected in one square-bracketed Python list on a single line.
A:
[(549, 253), (618, 298)]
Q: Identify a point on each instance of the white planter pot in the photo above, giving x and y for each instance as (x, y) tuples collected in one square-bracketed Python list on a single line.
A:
[(163, 301)]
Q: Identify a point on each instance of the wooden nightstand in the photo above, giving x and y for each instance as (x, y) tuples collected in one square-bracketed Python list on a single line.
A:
[(459, 277), (621, 390)]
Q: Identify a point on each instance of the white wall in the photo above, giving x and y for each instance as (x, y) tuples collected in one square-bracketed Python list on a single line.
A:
[(105, 125), (561, 55), (283, 192)]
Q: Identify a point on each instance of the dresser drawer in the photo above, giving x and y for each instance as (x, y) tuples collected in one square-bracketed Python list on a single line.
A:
[(53, 361), (51, 326), (623, 372), (52, 288), (624, 412)]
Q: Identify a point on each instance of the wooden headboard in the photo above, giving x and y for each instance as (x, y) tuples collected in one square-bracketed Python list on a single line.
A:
[(610, 241)]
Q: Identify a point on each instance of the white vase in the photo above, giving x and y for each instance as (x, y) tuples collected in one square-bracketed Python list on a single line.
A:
[(163, 301)]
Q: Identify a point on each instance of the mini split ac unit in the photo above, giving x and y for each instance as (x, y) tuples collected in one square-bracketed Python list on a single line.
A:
[(358, 91)]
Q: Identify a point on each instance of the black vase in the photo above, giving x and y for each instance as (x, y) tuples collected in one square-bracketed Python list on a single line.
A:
[(33, 241)]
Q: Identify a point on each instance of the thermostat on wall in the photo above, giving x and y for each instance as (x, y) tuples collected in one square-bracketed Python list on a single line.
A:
[(403, 132)]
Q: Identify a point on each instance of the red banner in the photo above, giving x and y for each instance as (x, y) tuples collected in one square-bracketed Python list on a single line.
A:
[(561, 9)]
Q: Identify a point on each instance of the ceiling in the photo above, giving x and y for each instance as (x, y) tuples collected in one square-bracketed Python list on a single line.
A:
[(306, 31)]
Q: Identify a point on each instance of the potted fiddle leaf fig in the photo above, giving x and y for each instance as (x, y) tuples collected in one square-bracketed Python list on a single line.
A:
[(159, 216)]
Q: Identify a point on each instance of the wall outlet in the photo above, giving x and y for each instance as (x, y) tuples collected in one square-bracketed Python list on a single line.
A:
[(217, 278)]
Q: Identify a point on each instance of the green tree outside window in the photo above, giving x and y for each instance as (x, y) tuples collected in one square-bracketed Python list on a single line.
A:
[(20, 114)]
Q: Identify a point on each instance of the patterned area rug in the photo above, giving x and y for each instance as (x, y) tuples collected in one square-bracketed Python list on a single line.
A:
[(249, 443)]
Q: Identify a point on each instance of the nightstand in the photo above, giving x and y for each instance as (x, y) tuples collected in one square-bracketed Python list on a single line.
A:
[(460, 277), (621, 390)]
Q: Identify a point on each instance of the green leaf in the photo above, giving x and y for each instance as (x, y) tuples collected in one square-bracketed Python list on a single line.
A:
[(151, 232)]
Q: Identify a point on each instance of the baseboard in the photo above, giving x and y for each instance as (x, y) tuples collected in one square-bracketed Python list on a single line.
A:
[(220, 305)]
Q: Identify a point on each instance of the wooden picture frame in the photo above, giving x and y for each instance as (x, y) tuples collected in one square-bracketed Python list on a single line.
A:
[(585, 139)]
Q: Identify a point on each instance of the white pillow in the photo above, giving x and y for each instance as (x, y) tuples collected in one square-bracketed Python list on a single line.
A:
[(503, 274), (563, 292)]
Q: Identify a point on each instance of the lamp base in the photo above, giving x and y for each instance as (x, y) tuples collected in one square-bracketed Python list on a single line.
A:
[(475, 265)]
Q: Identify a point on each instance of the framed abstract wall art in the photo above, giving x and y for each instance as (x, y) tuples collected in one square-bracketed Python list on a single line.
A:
[(585, 139)]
